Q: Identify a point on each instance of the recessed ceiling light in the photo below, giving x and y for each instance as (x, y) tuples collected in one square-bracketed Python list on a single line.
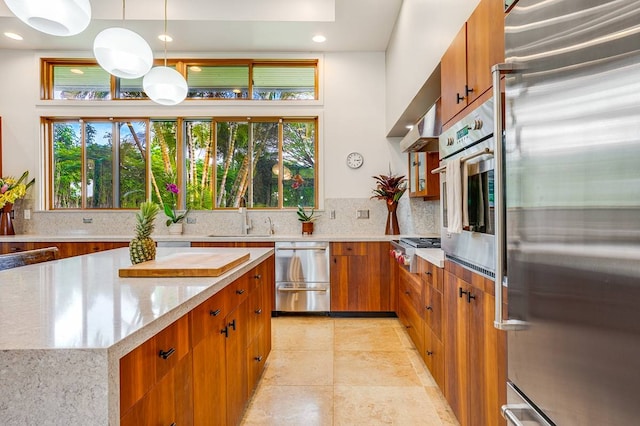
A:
[(13, 36), (165, 37), (195, 68), (76, 71), (319, 38)]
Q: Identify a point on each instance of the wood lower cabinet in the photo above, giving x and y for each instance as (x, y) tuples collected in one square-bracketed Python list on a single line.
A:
[(156, 380), (433, 353), (411, 308), (475, 352), (360, 277), (202, 369), (65, 249)]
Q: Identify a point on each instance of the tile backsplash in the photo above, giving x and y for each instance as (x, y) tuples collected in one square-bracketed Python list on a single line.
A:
[(340, 216)]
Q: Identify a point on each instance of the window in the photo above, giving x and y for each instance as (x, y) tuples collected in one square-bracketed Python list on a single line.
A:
[(102, 164), (98, 164), (221, 79)]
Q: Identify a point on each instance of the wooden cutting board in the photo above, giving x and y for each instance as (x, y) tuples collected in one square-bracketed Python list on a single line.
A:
[(186, 265)]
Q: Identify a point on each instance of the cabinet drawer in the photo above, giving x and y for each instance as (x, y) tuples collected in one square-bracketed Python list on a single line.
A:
[(208, 317), (430, 274), (349, 249), (411, 288), (238, 291), (433, 356), (143, 367), (412, 322), (433, 310)]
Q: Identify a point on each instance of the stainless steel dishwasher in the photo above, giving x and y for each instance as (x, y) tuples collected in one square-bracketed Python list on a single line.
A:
[(302, 277)]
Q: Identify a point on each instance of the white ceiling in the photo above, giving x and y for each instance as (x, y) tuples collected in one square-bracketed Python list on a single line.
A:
[(228, 25)]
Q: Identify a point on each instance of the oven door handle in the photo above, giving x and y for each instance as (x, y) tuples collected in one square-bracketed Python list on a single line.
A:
[(443, 169)]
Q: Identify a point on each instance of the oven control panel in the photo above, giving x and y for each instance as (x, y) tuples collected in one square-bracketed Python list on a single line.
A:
[(476, 126)]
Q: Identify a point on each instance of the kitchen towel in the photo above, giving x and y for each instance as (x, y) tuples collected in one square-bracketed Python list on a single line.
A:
[(454, 197), (465, 195)]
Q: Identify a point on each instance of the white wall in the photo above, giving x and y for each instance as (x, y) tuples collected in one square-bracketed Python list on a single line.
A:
[(351, 114), (354, 98), (422, 33)]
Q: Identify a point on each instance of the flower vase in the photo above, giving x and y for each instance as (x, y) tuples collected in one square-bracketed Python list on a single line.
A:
[(392, 227), (175, 229), (6, 220)]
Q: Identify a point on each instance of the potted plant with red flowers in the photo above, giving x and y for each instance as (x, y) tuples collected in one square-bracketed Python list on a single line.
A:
[(390, 188), (175, 219)]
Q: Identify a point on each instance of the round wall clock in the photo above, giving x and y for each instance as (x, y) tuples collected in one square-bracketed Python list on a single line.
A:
[(355, 160)]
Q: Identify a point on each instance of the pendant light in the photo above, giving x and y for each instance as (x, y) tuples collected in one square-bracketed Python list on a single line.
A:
[(165, 85), (55, 17), (122, 52)]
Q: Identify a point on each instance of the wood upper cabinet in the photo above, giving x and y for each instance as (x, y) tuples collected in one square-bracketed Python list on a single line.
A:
[(475, 352), (466, 65), (360, 277), (421, 182)]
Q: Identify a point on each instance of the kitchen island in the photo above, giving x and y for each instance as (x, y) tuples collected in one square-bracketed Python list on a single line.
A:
[(66, 324)]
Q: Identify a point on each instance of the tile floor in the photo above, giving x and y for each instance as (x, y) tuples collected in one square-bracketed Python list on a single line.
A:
[(345, 371)]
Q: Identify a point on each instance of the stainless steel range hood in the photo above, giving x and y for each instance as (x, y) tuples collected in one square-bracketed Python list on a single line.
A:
[(424, 135)]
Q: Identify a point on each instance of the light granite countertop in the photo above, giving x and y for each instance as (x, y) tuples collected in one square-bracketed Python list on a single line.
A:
[(65, 324), (432, 255)]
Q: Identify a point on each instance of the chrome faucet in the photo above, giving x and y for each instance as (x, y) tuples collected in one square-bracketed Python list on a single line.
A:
[(245, 223), (272, 229)]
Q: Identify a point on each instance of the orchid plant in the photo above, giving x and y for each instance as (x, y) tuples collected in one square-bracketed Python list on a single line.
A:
[(170, 210)]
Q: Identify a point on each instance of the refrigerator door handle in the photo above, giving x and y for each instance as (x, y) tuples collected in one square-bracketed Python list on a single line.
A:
[(509, 414), (518, 414), (499, 199)]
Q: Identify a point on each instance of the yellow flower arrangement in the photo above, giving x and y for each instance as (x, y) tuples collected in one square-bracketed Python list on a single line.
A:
[(12, 189)]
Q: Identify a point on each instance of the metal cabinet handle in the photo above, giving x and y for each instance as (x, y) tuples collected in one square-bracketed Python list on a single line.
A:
[(232, 324), (225, 331), (470, 296), (499, 205), (429, 308), (257, 276), (429, 353), (461, 292), (258, 311), (459, 98), (301, 248), (215, 313), (166, 354), (467, 90), (428, 273), (258, 358), (510, 416), (240, 291)]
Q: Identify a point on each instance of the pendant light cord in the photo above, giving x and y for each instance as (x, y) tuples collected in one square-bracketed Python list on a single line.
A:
[(123, 2), (165, 33)]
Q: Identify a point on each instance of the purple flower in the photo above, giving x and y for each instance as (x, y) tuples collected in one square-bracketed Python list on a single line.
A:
[(172, 187)]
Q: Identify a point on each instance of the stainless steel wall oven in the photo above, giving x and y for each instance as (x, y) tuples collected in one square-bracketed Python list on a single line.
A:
[(471, 141)]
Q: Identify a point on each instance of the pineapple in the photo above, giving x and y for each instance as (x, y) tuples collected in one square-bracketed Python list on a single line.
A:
[(142, 247)]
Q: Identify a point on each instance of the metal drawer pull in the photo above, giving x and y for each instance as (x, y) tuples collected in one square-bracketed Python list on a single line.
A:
[(429, 308), (258, 358), (215, 313), (301, 289), (510, 416), (302, 248), (257, 276), (225, 331), (240, 291), (167, 354), (258, 311), (428, 272), (232, 324)]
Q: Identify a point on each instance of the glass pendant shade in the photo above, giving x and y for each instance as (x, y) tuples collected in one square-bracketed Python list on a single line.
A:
[(55, 17), (165, 86), (123, 53)]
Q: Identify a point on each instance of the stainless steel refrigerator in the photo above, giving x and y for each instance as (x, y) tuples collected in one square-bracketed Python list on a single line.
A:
[(569, 183)]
